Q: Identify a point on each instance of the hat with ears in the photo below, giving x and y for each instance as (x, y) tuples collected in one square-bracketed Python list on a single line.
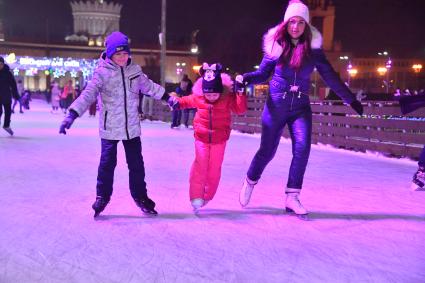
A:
[(211, 78), (297, 8), (116, 42)]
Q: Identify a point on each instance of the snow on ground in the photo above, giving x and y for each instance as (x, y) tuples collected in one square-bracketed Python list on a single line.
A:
[(367, 226)]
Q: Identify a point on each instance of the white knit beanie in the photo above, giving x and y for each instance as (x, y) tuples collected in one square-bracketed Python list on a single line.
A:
[(296, 8)]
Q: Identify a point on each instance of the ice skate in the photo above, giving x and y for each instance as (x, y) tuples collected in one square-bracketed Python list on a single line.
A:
[(99, 205), (205, 203), (197, 203), (246, 191), (294, 206), (146, 205), (418, 182), (9, 130)]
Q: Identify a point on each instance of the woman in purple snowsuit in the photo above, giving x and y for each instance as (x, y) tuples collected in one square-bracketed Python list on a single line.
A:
[(292, 50)]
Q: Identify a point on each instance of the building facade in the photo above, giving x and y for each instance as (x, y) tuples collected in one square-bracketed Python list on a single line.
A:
[(75, 58), (379, 73)]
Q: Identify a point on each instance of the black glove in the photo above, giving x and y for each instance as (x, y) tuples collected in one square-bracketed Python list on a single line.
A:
[(67, 122), (165, 97), (239, 84), (357, 106), (173, 102)]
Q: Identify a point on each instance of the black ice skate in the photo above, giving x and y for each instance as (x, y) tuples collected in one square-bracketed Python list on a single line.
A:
[(146, 205), (9, 130), (99, 205), (418, 182)]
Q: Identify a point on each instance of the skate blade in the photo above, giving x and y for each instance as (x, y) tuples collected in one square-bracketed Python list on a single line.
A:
[(291, 212), (96, 214), (242, 205), (152, 212), (416, 188)]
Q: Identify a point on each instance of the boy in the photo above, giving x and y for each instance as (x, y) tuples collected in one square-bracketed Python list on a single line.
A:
[(118, 82)]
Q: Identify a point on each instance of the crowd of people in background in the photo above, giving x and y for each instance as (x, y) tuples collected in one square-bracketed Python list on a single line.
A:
[(184, 89), (407, 92)]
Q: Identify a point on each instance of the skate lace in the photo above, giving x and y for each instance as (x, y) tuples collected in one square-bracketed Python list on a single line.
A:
[(420, 175), (250, 183), (100, 202), (296, 201)]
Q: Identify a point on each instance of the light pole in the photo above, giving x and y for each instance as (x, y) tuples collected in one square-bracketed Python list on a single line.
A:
[(193, 46), (388, 67), (417, 69), (162, 40), (352, 72), (346, 58), (382, 71)]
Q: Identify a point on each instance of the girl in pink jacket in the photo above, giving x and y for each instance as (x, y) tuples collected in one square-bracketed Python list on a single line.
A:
[(214, 98)]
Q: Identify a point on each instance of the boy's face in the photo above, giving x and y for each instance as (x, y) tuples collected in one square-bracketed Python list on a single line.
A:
[(120, 58), (212, 97)]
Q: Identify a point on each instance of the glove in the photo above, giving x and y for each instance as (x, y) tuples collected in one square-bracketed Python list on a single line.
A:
[(239, 84), (67, 122), (357, 106), (165, 97), (173, 102)]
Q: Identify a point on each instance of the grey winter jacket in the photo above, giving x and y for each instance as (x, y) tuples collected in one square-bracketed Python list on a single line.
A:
[(119, 89)]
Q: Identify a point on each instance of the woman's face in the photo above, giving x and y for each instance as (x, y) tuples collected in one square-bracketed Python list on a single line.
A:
[(212, 97), (296, 27), (120, 58)]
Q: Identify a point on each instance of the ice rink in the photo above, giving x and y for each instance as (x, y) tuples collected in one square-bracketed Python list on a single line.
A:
[(366, 225)]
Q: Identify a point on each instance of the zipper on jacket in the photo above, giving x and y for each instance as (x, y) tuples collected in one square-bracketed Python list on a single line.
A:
[(210, 131), (125, 103), (104, 122), (292, 100)]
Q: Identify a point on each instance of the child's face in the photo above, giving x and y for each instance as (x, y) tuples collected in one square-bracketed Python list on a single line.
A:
[(120, 58), (212, 97)]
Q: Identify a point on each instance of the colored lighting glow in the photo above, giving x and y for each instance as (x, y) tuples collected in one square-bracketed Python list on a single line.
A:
[(11, 58), (196, 68), (388, 64), (382, 70), (417, 67), (353, 72), (57, 66)]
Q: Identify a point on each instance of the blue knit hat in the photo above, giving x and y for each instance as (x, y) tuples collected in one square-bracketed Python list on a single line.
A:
[(116, 42), (211, 78)]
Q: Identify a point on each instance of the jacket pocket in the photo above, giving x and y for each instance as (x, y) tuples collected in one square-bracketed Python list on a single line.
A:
[(134, 82), (104, 120)]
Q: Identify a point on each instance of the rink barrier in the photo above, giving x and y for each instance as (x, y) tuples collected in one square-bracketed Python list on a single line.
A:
[(382, 128)]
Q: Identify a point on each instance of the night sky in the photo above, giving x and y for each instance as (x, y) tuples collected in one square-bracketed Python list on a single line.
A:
[(231, 30)]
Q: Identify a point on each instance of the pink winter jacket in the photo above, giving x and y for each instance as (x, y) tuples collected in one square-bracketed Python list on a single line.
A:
[(212, 120)]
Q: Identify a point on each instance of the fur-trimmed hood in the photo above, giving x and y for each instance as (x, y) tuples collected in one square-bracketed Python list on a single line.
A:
[(274, 49), (227, 85)]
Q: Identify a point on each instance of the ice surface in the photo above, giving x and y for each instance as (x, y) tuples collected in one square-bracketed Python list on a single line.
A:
[(367, 226)]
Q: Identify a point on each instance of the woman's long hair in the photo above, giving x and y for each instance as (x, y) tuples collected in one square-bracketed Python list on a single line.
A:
[(294, 56)]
